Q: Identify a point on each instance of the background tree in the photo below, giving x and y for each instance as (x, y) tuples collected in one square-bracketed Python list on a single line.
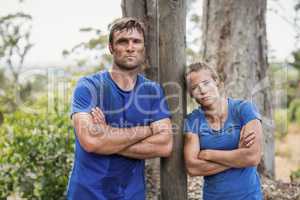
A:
[(15, 44), (234, 41)]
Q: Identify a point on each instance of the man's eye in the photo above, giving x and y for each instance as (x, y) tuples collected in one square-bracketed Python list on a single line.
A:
[(122, 41), (137, 41)]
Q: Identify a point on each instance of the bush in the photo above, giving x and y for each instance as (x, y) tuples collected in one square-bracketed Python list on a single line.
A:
[(295, 176), (293, 111), (36, 155)]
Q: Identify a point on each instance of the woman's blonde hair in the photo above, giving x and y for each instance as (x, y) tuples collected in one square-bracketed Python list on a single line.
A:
[(195, 67)]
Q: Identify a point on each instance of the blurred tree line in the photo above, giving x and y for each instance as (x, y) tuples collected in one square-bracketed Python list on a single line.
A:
[(36, 136)]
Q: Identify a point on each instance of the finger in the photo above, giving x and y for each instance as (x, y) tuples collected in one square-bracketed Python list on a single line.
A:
[(94, 119), (249, 144), (96, 116), (101, 114), (249, 135), (249, 138), (242, 133)]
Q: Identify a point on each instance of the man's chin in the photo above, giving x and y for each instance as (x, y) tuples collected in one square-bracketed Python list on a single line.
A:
[(129, 67)]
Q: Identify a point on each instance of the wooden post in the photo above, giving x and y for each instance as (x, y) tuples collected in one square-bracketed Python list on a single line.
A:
[(172, 66)]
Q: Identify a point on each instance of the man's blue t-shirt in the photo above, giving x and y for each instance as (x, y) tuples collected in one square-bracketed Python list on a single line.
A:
[(234, 183), (107, 177)]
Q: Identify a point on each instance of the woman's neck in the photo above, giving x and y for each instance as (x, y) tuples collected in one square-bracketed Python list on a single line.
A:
[(217, 111)]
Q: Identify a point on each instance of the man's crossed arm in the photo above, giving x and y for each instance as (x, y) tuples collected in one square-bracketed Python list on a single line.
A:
[(139, 142)]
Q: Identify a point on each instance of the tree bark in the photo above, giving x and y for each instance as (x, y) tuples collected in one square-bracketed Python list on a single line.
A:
[(234, 41), (172, 66), (147, 12), (165, 46)]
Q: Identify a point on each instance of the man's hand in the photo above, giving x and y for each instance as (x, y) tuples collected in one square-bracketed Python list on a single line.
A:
[(98, 116)]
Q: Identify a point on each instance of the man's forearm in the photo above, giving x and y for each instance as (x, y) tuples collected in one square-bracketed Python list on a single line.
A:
[(109, 140), (154, 146)]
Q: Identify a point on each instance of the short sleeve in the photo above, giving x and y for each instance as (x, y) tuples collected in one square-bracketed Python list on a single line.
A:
[(191, 125), (84, 97), (159, 105), (248, 112)]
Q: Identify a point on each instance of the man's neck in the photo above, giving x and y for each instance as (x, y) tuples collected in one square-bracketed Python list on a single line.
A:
[(125, 79)]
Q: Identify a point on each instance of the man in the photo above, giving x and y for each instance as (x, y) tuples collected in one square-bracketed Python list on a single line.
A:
[(120, 119)]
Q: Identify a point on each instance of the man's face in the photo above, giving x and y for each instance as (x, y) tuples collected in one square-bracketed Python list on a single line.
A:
[(203, 87), (128, 49)]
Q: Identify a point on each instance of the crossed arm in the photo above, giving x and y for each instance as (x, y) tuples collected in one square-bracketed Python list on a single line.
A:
[(139, 142), (209, 162)]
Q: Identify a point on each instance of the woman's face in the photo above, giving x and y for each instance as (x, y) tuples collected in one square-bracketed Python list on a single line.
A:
[(203, 87)]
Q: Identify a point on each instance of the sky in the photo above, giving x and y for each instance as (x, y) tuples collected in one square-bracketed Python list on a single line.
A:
[(56, 25)]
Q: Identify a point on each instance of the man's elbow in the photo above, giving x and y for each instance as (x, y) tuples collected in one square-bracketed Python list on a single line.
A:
[(87, 145), (167, 148), (92, 145)]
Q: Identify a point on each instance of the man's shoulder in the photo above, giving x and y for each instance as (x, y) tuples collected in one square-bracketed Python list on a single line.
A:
[(94, 79), (147, 81)]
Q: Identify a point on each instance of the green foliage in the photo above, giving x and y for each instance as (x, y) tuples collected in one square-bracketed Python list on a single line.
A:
[(294, 110), (295, 176), (296, 63), (36, 154), (281, 121)]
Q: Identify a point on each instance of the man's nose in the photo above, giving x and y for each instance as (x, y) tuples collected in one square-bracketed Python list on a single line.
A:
[(130, 46)]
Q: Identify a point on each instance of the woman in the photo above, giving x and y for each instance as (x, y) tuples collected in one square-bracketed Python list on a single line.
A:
[(222, 140)]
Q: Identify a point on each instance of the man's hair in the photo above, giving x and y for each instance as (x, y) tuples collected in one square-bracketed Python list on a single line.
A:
[(195, 67), (128, 24)]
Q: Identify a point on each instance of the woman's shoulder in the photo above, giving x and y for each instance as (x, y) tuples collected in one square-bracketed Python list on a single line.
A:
[(238, 104), (195, 114)]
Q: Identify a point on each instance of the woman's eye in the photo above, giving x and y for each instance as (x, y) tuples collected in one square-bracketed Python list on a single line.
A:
[(206, 82)]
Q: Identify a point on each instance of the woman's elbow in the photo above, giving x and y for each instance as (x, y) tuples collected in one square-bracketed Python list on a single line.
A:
[(254, 160), (191, 169), (191, 172)]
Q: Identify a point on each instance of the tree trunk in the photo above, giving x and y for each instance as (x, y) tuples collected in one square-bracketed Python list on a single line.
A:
[(172, 66), (170, 54), (147, 12), (234, 41)]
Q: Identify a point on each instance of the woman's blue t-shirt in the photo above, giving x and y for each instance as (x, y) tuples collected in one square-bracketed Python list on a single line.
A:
[(234, 183)]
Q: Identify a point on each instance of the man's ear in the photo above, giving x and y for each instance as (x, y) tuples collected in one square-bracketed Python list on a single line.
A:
[(111, 49)]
